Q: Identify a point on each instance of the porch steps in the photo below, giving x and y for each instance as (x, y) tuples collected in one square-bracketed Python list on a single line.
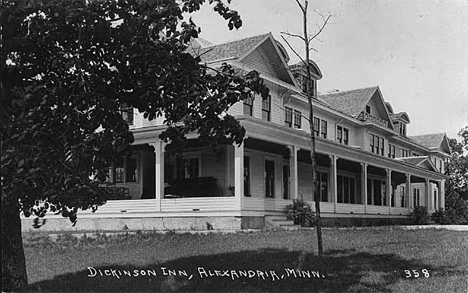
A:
[(280, 222)]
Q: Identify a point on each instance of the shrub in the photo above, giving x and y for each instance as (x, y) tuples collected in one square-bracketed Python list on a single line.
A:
[(447, 217), (420, 216), (301, 213)]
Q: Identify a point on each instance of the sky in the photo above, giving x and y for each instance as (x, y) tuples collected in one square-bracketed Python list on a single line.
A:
[(415, 51)]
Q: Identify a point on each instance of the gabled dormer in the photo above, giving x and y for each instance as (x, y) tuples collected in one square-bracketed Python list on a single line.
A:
[(299, 72), (400, 122)]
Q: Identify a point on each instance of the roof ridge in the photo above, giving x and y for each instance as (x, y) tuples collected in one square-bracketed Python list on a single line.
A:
[(348, 91), (237, 40)]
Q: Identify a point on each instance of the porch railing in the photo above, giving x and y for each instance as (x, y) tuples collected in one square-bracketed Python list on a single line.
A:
[(364, 116)]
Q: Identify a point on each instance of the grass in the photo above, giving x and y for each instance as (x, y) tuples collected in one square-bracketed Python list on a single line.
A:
[(355, 260)]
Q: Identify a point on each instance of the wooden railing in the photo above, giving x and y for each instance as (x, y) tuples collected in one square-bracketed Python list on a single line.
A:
[(364, 116)]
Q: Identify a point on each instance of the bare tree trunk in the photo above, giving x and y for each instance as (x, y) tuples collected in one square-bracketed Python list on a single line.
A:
[(14, 277), (315, 193)]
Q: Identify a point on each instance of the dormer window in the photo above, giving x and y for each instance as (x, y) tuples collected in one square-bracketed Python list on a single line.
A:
[(368, 109), (402, 129)]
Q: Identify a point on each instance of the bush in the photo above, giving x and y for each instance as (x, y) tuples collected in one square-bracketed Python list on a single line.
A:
[(301, 213), (420, 216), (448, 217)]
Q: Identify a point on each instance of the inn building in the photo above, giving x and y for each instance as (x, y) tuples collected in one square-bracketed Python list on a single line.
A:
[(368, 168)]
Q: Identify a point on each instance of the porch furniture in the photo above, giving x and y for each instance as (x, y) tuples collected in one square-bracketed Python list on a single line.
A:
[(193, 187)]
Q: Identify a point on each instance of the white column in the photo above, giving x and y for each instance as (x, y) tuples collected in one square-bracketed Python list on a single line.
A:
[(294, 174), (159, 171), (239, 175), (364, 185), (428, 194), (388, 190), (333, 188), (408, 192), (442, 194)]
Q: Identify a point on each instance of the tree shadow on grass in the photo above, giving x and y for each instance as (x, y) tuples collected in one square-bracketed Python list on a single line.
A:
[(269, 270)]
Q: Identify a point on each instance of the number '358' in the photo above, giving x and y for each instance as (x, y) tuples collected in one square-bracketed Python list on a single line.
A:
[(417, 273)]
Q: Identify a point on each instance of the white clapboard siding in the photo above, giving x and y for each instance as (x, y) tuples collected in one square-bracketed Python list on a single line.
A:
[(325, 207), (124, 206), (377, 210), (280, 204), (198, 204), (398, 211), (253, 204), (344, 208)]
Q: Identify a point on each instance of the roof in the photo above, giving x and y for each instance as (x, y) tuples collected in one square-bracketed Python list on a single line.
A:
[(429, 141), (229, 50), (422, 161), (349, 102)]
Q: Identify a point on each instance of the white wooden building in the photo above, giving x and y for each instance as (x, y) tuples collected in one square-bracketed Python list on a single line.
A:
[(367, 165)]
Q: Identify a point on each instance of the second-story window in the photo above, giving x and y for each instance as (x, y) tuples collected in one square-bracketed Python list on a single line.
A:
[(127, 114), (297, 119), (377, 144), (288, 116), (323, 129), (316, 126), (248, 106), (342, 135), (368, 109), (391, 151), (266, 108), (404, 153)]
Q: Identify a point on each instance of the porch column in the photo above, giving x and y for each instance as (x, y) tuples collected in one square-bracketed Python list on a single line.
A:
[(159, 171), (388, 190), (428, 194), (239, 175), (408, 191), (293, 166), (333, 188), (364, 185), (442, 194)]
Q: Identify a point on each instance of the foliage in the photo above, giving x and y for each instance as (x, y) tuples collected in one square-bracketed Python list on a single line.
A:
[(69, 66), (301, 213), (456, 191), (420, 215)]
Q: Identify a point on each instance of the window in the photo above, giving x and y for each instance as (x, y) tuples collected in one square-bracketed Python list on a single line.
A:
[(416, 196), (127, 114), (288, 114), (286, 175), (402, 197), (404, 153), (435, 199), (125, 170), (416, 154), (266, 108), (246, 176), (188, 167), (316, 126), (368, 109), (342, 135), (376, 144), (248, 106), (269, 178), (297, 119), (346, 189), (324, 129), (322, 178), (402, 129), (391, 151), (376, 189)]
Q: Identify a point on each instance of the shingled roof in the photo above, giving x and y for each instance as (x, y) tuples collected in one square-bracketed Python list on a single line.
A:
[(423, 162), (229, 50), (430, 141), (351, 102)]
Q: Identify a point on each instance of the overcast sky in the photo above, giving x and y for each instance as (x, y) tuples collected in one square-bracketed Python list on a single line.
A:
[(416, 51)]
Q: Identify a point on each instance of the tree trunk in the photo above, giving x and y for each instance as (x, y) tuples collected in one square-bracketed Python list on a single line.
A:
[(315, 193), (14, 277)]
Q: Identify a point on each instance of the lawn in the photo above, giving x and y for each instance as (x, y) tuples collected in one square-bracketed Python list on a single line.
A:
[(356, 260)]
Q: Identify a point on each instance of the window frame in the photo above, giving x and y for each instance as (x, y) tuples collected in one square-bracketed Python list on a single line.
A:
[(248, 105), (266, 108), (297, 119)]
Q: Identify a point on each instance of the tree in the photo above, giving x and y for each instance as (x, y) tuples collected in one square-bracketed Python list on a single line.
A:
[(456, 191), (307, 39), (67, 68)]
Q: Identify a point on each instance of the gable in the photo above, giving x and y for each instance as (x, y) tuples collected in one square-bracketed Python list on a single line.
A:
[(378, 108), (267, 58)]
